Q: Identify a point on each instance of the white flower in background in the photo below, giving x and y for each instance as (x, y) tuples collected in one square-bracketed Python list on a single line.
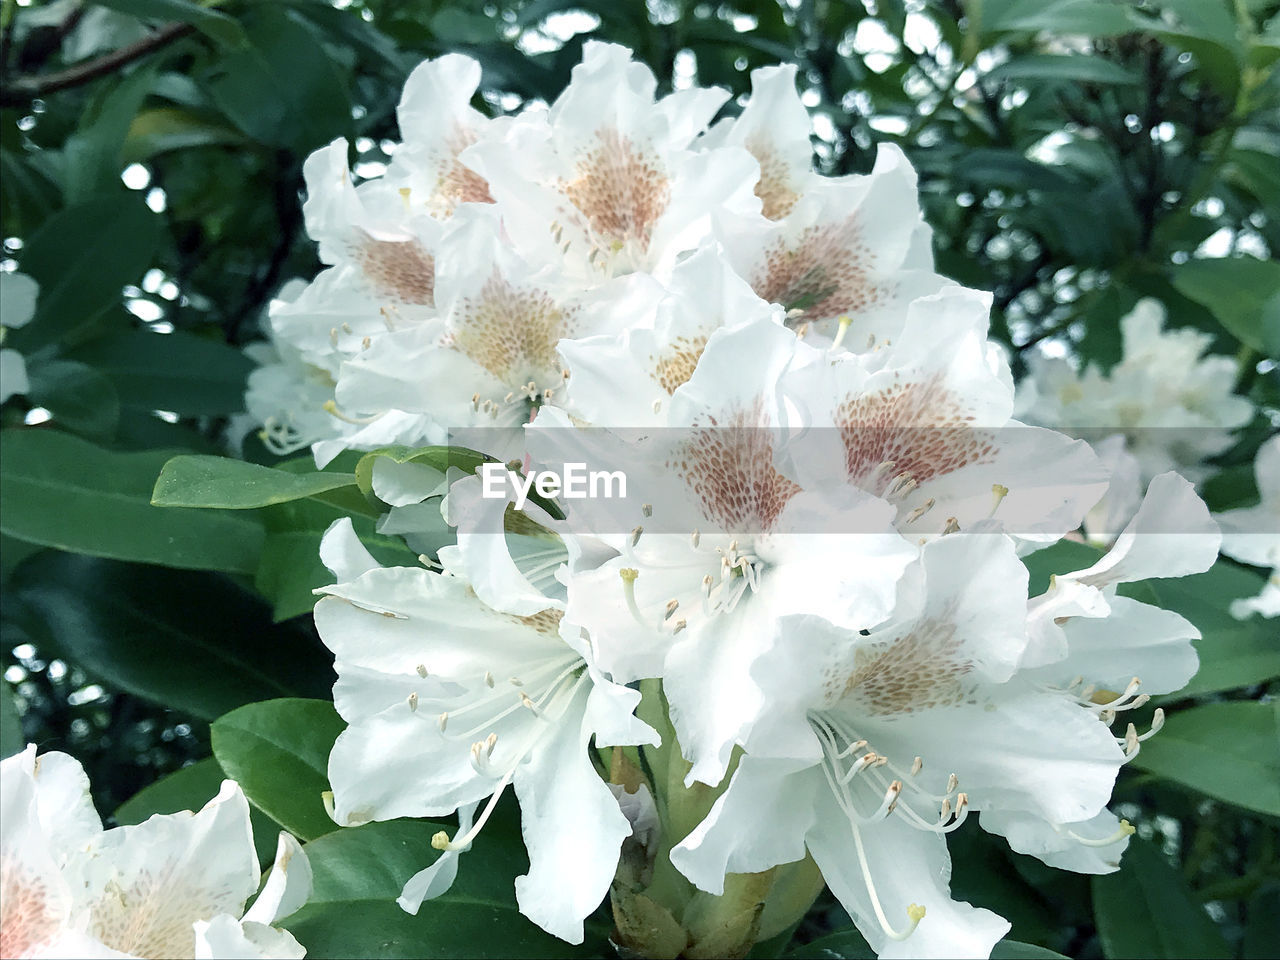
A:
[(926, 424), (1124, 491), (1174, 405), (698, 606), (605, 181), (174, 886), (18, 294), (448, 701), (1252, 534)]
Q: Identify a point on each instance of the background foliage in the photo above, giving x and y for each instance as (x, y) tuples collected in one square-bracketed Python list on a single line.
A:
[(1074, 156)]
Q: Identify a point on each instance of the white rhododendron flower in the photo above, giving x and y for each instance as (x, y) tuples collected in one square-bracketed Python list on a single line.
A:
[(449, 701), (1252, 534), (18, 294), (1174, 405), (173, 886), (812, 587)]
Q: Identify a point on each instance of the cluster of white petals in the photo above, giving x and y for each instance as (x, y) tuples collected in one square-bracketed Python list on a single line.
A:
[(830, 591), (1174, 406), (174, 886), (1252, 534)]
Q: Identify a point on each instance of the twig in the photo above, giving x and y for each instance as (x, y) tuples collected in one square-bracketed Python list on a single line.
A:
[(22, 90)]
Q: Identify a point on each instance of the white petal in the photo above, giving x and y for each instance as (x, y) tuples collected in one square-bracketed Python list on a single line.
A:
[(1172, 535), (573, 828), (148, 883), (343, 553), (758, 822), (226, 938), (1054, 843), (431, 882), (907, 866), (13, 374), (288, 884)]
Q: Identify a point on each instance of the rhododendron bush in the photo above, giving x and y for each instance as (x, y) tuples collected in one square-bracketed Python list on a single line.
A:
[(644, 480)]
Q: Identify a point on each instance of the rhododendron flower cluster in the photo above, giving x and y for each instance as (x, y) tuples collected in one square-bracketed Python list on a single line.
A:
[(807, 635)]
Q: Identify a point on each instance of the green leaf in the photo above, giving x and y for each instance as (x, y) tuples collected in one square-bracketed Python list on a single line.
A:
[(60, 491), (1262, 932), (1046, 68), (1093, 18), (1241, 292), (11, 738), (180, 372), (1146, 910), (82, 257), (278, 751), (1015, 950), (190, 789), (1233, 653), (216, 26), (78, 397), (359, 872), (1228, 751), (195, 642), (847, 944), (161, 129), (91, 157), (1065, 556), (283, 90), (226, 484)]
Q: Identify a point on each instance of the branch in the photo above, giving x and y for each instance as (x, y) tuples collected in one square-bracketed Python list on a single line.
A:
[(22, 90)]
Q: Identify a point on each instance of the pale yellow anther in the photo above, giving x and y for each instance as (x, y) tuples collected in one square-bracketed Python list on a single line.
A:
[(628, 574), (413, 703), (422, 670), (915, 912)]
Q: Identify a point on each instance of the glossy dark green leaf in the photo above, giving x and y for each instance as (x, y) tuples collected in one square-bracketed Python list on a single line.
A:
[(91, 157), (195, 642), (1145, 910), (1015, 950), (180, 372), (1262, 928), (1228, 751), (78, 397), (227, 484), (217, 26), (60, 491), (359, 872), (190, 789), (82, 257), (278, 751), (1093, 18)]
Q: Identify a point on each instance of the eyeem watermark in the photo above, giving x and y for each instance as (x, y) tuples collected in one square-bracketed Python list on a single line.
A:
[(575, 482)]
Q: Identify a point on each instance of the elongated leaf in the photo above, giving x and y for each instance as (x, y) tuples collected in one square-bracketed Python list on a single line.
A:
[(278, 751), (1093, 18), (78, 397), (161, 129), (195, 642), (1015, 950), (1242, 292), (186, 374), (91, 156), (1229, 751), (81, 257), (217, 26), (1146, 910), (1070, 69), (844, 944), (190, 789), (235, 485), (359, 871), (60, 491)]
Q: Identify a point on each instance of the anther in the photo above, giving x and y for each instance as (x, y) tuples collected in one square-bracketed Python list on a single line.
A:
[(917, 766), (422, 670), (526, 702), (953, 526), (443, 721), (998, 492), (845, 320), (695, 539), (488, 679), (440, 841), (671, 608), (635, 535), (413, 703), (680, 625), (646, 509), (919, 512)]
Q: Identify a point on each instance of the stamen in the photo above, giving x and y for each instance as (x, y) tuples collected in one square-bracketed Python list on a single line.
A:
[(672, 606), (488, 679), (331, 407), (696, 539), (443, 721), (1126, 829), (413, 703), (629, 575), (680, 625), (635, 535), (953, 526), (422, 670), (919, 512), (998, 493), (845, 320)]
